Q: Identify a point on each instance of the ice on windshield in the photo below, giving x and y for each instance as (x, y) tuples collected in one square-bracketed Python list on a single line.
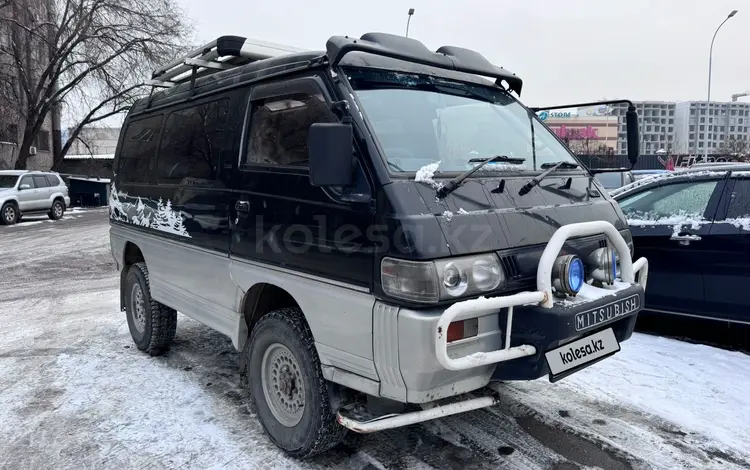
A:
[(425, 120)]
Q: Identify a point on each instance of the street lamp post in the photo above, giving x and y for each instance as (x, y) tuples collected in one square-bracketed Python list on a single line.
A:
[(411, 12), (710, 59)]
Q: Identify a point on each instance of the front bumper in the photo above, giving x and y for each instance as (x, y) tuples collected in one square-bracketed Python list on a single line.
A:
[(545, 322), (548, 328)]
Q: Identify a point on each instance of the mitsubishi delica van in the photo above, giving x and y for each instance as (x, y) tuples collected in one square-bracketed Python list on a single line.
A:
[(381, 230)]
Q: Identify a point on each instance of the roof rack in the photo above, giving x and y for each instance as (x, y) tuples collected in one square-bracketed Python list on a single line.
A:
[(224, 53)]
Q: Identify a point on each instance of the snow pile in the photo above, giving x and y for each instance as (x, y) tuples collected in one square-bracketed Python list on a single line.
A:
[(699, 388), (448, 215), (425, 174), (677, 221), (740, 222), (462, 211)]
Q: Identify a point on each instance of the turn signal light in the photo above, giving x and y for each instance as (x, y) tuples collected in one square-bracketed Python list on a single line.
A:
[(463, 329)]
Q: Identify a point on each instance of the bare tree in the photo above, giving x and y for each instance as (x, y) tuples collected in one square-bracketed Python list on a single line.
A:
[(736, 147), (88, 55)]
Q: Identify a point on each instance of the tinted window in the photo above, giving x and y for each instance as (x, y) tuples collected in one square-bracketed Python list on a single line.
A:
[(739, 204), (53, 180), (8, 181), (138, 148), (279, 128), (610, 180), (40, 181), (192, 142), (689, 198), (27, 180)]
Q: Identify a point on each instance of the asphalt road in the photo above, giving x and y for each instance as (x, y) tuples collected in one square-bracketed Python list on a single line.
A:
[(75, 393)]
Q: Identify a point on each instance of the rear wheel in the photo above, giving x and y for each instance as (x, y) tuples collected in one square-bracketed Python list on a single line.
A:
[(289, 391), (152, 325), (57, 210), (9, 214)]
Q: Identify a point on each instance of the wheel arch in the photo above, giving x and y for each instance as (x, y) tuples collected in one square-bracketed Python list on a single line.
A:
[(261, 299), (131, 254)]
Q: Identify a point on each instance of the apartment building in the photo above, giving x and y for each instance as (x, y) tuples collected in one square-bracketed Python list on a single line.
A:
[(704, 128), (657, 124), (23, 15)]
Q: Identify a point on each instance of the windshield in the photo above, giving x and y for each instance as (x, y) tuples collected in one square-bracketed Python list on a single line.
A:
[(421, 120), (8, 181)]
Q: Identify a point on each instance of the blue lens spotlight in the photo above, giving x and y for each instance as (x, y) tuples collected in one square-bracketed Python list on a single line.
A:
[(568, 275)]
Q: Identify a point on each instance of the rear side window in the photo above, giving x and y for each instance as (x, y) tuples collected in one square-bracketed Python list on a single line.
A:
[(739, 204), (138, 149), (40, 181), (279, 128), (53, 180), (192, 143)]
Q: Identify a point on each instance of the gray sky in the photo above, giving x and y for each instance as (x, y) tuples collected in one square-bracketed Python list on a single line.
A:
[(564, 50)]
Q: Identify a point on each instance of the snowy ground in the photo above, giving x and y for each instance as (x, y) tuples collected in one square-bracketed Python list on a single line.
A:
[(75, 393)]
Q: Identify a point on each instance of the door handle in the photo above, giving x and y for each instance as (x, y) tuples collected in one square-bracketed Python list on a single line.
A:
[(242, 206), (685, 238)]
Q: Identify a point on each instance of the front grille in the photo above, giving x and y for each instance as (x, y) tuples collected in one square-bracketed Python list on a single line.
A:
[(510, 266)]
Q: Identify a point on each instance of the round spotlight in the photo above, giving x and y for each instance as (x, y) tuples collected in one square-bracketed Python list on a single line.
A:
[(568, 274)]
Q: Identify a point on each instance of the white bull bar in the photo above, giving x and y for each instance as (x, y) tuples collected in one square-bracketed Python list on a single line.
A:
[(542, 296)]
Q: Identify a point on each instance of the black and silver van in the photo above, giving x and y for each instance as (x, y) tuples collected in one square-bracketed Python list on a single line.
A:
[(380, 229)]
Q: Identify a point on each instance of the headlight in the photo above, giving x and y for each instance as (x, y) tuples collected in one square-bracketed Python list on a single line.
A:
[(409, 280), (455, 280), (431, 281), (568, 274), (487, 274)]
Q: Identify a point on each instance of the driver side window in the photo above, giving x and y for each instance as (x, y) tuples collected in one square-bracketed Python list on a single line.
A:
[(680, 199)]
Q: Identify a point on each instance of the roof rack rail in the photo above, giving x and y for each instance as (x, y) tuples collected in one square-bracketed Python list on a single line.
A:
[(223, 53)]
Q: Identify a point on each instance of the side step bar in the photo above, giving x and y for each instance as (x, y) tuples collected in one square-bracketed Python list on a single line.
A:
[(398, 420)]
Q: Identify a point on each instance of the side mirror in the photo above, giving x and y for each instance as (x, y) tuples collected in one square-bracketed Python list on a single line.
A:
[(24, 186), (631, 121), (331, 151)]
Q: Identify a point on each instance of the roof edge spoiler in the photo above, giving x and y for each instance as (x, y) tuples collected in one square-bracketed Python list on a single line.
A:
[(411, 50)]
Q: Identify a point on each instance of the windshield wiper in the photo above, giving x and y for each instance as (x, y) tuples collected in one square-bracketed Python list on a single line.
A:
[(563, 165), (551, 167), (451, 185)]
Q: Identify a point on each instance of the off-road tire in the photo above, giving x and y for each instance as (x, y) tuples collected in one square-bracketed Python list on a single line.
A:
[(57, 210), (318, 430), (160, 320), (6, 210)]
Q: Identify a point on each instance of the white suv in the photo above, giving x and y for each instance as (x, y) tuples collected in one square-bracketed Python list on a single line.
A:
[(29, 192)]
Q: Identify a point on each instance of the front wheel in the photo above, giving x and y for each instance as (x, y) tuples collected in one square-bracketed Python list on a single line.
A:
[(57, 210), (9, 214), (288, 388)]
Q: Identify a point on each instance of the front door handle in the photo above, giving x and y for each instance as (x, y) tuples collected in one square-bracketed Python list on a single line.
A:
[(242, 206), (685, 238)]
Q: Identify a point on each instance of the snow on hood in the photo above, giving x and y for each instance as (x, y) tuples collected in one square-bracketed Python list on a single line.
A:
[(662, 177)]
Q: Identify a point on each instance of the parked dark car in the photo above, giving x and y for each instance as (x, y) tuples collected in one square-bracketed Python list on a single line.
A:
[(694, 227)]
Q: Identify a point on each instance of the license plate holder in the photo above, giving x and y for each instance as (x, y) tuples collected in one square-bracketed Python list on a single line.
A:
[(576, 355)]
